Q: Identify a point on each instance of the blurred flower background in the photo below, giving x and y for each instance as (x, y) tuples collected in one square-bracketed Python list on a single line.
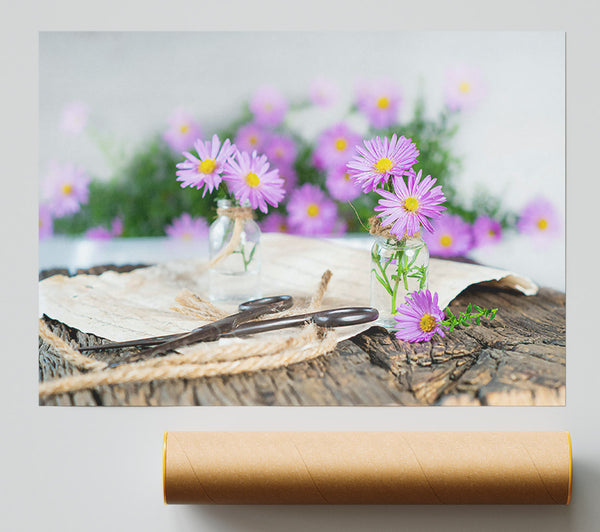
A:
[(120, 111)]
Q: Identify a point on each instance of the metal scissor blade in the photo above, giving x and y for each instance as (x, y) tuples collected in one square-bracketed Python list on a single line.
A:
[(212, 331)]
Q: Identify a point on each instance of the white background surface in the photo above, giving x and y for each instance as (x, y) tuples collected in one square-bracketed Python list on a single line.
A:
[(99, 469)]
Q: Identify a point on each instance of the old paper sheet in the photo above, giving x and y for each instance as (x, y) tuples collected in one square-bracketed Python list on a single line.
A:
[(125, 306)]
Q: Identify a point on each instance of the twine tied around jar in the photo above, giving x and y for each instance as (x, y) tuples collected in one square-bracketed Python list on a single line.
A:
[(376, 229), (239, 215)]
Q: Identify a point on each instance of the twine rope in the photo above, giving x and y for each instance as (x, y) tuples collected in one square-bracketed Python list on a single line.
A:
[(66, 351), (239, 216), (376, 229), (201, 360)]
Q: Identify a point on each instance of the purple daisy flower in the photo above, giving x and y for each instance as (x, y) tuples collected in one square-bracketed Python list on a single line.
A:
[(540, 219), (251, 137), (335, 146), (74, 117), (419, 318), (380, 102), (311, 212), (340, 185), (289, 176), (275, 223), (183, 131), (207, 169), (411, 204), (45, 222), (66, 188), (268, 106), (340, 228), (98, 233), (281, 150), (323, 92), (102, 233), (249, 179), (486, 231), (464, 88), (187, 228), (451, 236), (380, 159)]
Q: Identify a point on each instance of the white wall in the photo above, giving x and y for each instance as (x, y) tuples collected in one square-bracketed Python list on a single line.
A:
[(512, 143)]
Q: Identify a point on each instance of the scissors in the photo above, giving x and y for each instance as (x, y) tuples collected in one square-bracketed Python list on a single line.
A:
[(240, 324)]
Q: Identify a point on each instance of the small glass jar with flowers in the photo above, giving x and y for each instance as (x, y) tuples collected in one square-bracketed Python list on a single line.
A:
[(399, 255), (242, 182)]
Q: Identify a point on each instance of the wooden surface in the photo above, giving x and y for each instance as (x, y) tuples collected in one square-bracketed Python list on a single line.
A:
[(517, 359)]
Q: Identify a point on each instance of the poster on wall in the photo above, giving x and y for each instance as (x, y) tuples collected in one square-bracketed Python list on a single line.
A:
[(302, 218)]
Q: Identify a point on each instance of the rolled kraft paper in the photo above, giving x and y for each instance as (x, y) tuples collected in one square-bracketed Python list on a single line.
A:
[(367, 467)]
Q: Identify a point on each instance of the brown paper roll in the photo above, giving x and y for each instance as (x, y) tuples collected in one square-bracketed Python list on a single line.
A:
[(367, 467)]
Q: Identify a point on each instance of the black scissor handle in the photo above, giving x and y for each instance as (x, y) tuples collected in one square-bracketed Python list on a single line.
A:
[(341, 317), (278, 303)]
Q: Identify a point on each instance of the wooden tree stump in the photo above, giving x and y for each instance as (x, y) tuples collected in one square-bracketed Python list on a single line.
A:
[(517, 359)]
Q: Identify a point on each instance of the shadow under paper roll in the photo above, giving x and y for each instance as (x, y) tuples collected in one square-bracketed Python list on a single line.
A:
[(367, 467)]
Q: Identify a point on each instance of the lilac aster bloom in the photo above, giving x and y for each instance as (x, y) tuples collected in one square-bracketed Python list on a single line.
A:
[(451, 236), (45, 222), (249, 179), (380, 102), (311, 212), (187, 228), (340, 228), (380, 159), (411, 204), (98, 233), (289, 176), (540, 219), (464, 88), (102, 233), (281, 150), (268, 106), (486, 231), (275, 223), (183, 131), (419, 318), (335, 146), (206, 169), (74, 117), (340, 185), (66, 188), (323, 92), (251, 137)]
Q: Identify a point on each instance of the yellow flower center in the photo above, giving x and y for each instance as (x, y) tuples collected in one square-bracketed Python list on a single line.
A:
[(67, 189), (313, 210), (347, 176), (446, 240), (283, 228), (464, 87), (253, 140), (279, 152), (427, 323), (340, 144), (411, 204), (383, 102), (186, 236), (207, 167), (383, 165), (491, 232), (542, 224), (184, 128), (252, 180)]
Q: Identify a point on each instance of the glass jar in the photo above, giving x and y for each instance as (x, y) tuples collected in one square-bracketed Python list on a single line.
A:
[(398, 268), (236, 277)]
